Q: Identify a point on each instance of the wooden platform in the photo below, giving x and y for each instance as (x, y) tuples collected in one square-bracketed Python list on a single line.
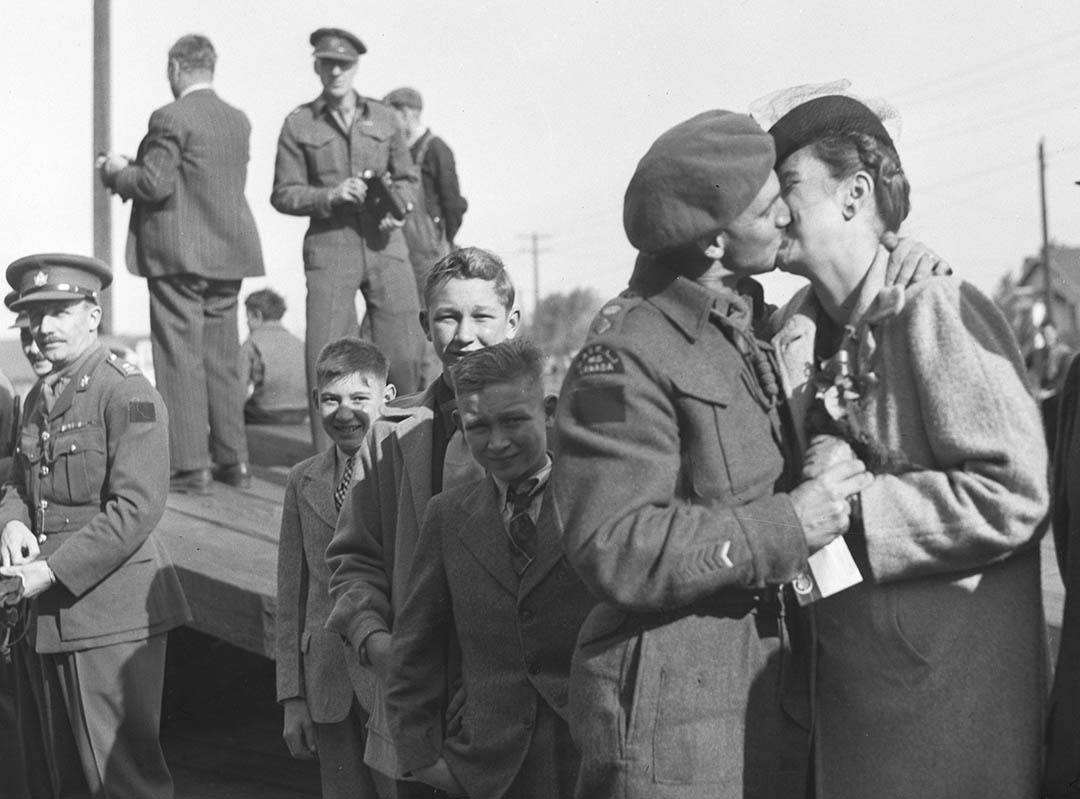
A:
[(224, 547), (279, 444)]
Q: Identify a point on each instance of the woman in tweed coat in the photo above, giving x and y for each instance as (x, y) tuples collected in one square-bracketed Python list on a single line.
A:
[(930, 677)]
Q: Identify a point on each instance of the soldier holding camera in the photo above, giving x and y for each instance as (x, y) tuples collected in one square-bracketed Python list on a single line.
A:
[(342, 162)]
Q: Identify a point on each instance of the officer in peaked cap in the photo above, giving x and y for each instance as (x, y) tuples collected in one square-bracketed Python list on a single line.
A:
[(336, 44), (57, 276), (89, 483)]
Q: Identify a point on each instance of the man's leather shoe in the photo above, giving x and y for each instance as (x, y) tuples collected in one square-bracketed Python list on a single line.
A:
[(234, 474), (191, 481)]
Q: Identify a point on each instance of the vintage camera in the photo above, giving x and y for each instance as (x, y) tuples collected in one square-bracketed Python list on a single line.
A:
[(380, 201)]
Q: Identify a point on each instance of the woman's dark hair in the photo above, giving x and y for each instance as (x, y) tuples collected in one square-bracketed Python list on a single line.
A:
[(846, 153)]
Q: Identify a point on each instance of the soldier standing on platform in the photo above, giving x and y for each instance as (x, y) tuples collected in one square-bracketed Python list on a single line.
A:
[(90, 481), (342, 162)]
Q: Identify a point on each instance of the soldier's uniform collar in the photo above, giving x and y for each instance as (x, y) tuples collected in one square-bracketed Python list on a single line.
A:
[(689, 304), (321, 106)]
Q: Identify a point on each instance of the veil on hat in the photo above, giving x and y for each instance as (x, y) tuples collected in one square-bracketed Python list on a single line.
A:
[(768, 110)]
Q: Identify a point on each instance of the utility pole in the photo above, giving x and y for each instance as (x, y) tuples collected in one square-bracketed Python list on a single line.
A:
[(534, 239), (1048, 294), (102, 144)]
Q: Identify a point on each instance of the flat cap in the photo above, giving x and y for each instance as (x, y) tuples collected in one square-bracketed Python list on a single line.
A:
[(695, 180), (405, 97), (830, 115), (57, 276), (336, 44)]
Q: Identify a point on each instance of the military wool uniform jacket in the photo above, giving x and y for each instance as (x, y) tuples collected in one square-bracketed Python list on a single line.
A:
[(931, 674), (95, 473), (312, 662), (314, 155), (516, 637), (667, 484)]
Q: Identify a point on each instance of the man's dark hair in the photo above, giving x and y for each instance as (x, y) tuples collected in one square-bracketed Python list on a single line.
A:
[(267, 302), (471, 263), (347, 356), (504, 362), (194, 53)]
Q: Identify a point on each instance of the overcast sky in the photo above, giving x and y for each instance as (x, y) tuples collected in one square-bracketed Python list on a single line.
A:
[(549, 105)]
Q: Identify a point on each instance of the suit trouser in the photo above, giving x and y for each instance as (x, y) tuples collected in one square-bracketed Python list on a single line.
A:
[(98, 715), (196, 344), (334, 275), (341, 760)]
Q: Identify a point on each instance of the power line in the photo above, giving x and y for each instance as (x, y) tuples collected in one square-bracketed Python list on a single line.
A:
[(996, 63), (534, 239)]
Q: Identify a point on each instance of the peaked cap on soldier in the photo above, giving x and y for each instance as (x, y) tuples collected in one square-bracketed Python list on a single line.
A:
[(57, 276)]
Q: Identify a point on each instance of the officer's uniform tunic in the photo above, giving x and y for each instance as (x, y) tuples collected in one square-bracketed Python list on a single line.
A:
[(92, 476)]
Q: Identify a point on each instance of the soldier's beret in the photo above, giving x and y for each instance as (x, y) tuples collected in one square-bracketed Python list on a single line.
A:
[(405, 97), (824, 116), (336, 44), (57, 276), (695, 180)]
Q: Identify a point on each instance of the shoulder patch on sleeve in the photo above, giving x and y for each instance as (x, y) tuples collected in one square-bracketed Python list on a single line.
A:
[(598, 359), (141, 411), (600, 404)]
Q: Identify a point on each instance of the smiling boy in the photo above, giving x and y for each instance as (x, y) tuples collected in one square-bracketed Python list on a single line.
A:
[(325, 692), (489, 579), (411, 456)]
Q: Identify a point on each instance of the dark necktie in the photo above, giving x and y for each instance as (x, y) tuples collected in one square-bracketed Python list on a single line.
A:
[(522, 528), (342, 489)]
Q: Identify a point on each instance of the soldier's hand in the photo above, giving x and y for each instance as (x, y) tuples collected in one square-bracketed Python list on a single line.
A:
[(377, 650), (299, 730), (388, 222), (36, 577), (823, 452), (350, 190), (821, 503), (17, 544), (910, 261)]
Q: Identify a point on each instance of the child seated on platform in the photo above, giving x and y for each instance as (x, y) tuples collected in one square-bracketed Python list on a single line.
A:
[(489, 580), (272, 364), (326, 693)]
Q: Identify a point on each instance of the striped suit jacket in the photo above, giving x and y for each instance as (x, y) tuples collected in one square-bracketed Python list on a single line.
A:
[(189, 214)]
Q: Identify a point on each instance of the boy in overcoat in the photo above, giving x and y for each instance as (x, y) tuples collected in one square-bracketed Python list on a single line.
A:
[(411, 456), (325, 692), (489, 578)]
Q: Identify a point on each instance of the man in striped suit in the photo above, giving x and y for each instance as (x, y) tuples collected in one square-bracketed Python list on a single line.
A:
[(193, 237)]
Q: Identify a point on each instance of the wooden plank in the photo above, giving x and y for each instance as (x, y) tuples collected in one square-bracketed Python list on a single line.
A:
[(224, 547)]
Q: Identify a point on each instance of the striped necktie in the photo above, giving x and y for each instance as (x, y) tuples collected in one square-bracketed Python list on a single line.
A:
[(521, 527), (342, 489)]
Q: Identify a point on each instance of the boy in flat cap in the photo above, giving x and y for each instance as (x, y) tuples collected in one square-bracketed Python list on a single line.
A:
[(436, 216), (329, 153), (90, 479)]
